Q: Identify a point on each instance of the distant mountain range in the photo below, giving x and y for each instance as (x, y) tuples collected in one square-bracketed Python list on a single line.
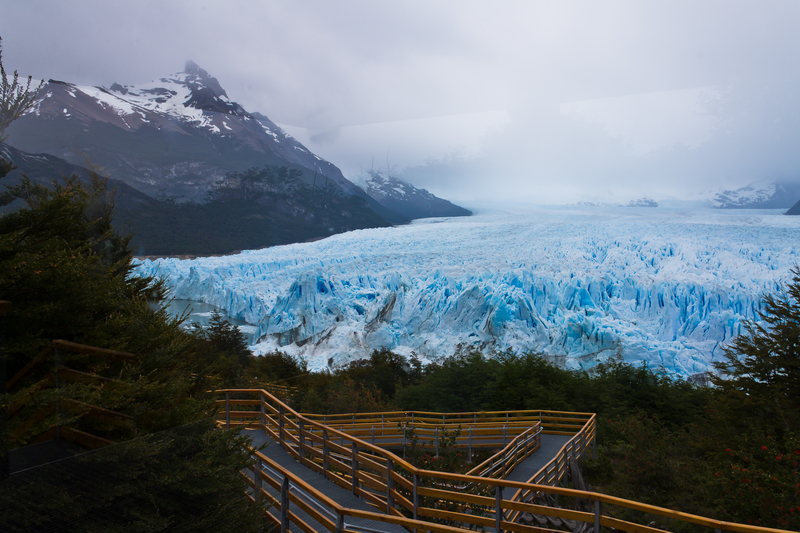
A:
[(759, 195), (178, 137)]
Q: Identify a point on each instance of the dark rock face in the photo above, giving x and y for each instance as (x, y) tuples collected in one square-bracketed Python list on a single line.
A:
[(43, 169), (794, 210)]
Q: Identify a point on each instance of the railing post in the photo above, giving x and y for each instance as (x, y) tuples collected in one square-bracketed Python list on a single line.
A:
[(300, 429), (339, 523), (597, 516), (504, 436), (263, 413), (285, 505), (594, 444), (582, 443), (389, 485), (57, 384), (354, 466), (498, 511), (280, 425), (412, 417), (227, 410), (437, 443), (258, 480), (373, 435), (469, 459), (324, 452), (414, 497)]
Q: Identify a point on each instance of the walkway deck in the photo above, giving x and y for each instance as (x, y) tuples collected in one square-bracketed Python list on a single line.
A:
[(548, 449), (550, 445), (341, 496)]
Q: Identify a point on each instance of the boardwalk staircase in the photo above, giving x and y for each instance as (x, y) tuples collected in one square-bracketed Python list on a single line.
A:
[(347, 472)]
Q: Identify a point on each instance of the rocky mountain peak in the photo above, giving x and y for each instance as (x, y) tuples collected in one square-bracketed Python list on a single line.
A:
[(202, 77)]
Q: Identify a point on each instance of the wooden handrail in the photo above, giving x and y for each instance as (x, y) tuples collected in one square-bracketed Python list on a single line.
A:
[(329, 434), (69, 347)]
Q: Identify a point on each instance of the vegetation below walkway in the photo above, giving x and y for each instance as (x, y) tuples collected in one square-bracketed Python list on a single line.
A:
[(729, 450)]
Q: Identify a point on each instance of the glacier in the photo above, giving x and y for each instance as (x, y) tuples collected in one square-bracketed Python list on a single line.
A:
[(668, 287)]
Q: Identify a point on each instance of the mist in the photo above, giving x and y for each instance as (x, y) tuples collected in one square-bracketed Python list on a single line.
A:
[(530, 101)]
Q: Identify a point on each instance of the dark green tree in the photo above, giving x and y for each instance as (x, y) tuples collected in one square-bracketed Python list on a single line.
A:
[(761, 372), (226, 338), (385, 371), (67, 273)]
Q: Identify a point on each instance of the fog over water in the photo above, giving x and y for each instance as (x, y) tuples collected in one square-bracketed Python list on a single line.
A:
[(534, 101)]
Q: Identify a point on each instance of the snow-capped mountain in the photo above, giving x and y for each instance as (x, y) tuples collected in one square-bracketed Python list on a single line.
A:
[(404, 198), (759, 195), (668, 288), (178, 135)]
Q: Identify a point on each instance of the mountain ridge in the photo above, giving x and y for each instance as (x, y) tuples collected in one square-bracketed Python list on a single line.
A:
[(178, 135)]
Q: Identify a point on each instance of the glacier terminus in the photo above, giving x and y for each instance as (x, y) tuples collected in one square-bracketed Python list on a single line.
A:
[(663, 286)]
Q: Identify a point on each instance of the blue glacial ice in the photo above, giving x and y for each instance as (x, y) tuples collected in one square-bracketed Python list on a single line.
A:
[(667, 287)]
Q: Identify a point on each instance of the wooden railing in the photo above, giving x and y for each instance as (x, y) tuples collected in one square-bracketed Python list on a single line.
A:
[(60, 407), (420, 499)]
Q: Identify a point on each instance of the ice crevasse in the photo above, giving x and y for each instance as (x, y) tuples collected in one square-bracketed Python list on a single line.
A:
[(665, 287)]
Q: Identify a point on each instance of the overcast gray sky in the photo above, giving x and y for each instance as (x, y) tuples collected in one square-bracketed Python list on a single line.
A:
[(541, 101)]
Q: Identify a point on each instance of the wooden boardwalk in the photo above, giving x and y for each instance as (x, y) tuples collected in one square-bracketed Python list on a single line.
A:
[(550, 446), (341, 496)]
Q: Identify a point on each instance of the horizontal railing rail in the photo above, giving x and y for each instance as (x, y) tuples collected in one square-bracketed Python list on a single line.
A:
[(44, 404), (419, 499)]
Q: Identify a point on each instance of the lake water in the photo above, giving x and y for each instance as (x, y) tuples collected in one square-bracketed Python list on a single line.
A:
[(200, 313)]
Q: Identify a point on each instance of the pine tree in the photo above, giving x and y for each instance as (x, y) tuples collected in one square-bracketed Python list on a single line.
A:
[(761, 371), (67, 273), (15, 100)]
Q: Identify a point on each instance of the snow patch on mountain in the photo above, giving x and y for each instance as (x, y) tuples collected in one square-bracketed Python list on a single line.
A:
[(669, 287)]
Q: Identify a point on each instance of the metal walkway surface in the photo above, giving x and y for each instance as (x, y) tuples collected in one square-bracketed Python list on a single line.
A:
[(550, 445)]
